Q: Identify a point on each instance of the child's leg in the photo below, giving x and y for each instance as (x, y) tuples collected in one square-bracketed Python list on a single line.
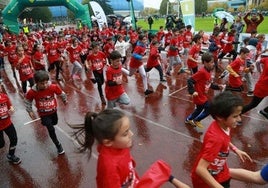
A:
[(100, 80), (204, 113), (24, 86), (77, 68), (250, 83), (160, 70), (49, 121), (197, 111), (12, 135), (58, 68), (170, 64), (144, 78), (31, 82), (124, 99), (2, 140)]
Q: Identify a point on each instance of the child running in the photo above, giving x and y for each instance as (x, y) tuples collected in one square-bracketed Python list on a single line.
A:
[(154, 60), (198, 85), (116, 166), (7, 126), (25, 68), (46, 103), (210, 168), (114, 89), (96, 62)]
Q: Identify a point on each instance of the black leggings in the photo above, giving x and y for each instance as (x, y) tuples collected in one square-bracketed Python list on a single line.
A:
[(159, 68), (49, 121), (58, 67), (254, 103), (100, 81), (13, 139), (24, 84)]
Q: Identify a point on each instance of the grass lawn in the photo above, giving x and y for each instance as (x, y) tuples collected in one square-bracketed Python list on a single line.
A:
[(205, 24)]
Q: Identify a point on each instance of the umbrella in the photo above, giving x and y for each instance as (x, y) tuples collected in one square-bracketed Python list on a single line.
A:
[(127, 19), (224, 14)]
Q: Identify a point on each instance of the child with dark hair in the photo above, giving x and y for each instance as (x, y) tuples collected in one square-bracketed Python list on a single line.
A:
[(114, 89), (198, 85), (228, 47), (38, 58), (116, 167), (154, 60), (210, 168), (136, 62), (96, 62), (75, 51), (53, 56), (194, 52), (7, 126), (25, 68), (44, 93), (236, 69)]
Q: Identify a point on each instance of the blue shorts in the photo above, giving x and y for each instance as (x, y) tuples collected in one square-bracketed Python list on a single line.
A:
[(264, 173)]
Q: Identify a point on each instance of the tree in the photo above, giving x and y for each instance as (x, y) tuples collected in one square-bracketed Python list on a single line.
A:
[(201, 6), (263, 5), (107, 8), (148, 11), (163, 7), (37, 14), (217, 5)]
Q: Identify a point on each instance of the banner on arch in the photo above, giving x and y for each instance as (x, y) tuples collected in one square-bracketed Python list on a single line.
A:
[(188, 12), (98, 13)]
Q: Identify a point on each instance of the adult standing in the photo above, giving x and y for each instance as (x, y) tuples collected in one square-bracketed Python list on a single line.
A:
[(253, 22), (150, 22)]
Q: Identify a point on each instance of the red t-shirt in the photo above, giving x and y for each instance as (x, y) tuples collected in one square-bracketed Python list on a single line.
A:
[(194, 53), (175, 43), (203, 81), (188, 37), (38, 56), (215, 149), (45, 100), (62, 45), (98, 61), (261, 88), (52, 53), (74, 53), (238, 66), (113, 92), (11, 54), (5, 105), (116, 168), (25, 68), (139, 49), (108, 48), (228, 47), (154, 56)]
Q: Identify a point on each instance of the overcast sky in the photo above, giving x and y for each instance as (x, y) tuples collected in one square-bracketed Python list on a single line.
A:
[(152, 3)]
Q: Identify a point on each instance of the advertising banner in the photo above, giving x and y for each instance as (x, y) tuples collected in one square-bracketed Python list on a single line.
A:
[(188, 12)]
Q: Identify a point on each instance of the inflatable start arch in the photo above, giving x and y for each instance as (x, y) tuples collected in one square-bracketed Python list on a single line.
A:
[(15, 7)]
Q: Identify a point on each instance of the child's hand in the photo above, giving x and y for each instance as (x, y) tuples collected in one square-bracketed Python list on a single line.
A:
[(243, 155), (195, 94), (11, 109), (32, 115)]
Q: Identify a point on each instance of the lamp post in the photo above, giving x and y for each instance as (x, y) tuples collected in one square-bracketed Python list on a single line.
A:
[(132, 13)]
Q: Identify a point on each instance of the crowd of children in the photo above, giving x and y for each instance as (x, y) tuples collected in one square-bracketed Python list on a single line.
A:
[(109, 54)]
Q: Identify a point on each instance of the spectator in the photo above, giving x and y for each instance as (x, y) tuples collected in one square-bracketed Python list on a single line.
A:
[(150, 22), (253, 22)]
